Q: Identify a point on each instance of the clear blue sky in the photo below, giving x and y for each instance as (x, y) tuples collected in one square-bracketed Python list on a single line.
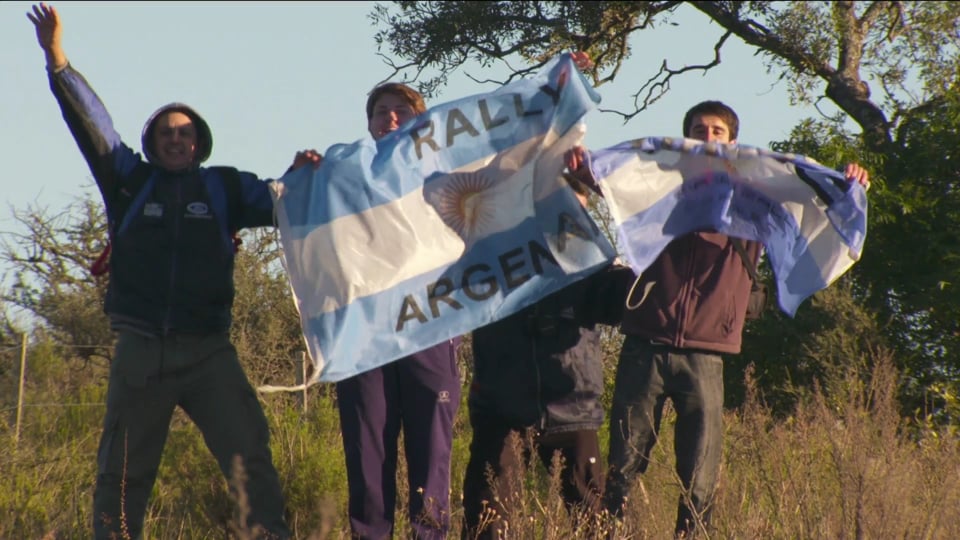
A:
[(272, 78)]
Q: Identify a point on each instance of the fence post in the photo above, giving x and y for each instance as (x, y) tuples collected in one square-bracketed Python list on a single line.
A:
[(302, 380), (23, 368)]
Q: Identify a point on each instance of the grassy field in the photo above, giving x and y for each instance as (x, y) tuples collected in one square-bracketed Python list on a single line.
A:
[(845, 464)]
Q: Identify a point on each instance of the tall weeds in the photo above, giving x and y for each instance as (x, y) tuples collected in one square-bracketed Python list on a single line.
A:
[(846, 464)]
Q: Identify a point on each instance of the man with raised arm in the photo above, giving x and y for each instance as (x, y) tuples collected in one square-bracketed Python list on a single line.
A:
[(168, 300)]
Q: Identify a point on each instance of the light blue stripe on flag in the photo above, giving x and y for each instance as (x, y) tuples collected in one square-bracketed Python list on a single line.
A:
[(457, 219), (810, 219)]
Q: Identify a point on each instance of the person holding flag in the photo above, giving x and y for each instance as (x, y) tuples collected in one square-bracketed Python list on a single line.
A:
[(685, 310), (417, 395), (440, 222)]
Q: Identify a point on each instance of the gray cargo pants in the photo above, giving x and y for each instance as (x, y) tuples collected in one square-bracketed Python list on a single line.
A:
[(648, 374), (148, 379)]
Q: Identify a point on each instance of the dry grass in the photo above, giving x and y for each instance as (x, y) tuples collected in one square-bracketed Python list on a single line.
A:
[(845, 464)]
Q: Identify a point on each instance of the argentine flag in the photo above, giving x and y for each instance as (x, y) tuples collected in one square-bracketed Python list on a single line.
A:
[(810, 219), (457, 219)]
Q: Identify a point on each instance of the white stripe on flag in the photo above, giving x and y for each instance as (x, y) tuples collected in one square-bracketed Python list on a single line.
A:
[(388, 244), (454, 221)]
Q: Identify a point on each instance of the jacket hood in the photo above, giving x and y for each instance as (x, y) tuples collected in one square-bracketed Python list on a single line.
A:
[(204, 136)]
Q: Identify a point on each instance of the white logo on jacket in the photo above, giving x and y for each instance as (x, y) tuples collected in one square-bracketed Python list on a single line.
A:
[(199, 210)]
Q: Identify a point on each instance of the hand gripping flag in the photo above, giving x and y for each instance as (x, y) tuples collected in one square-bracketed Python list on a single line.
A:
[(810, 219), (457, 219)]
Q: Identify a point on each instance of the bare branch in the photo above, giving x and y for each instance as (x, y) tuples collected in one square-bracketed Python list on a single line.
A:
[(898, 22), (397, 69), (514, 75), (659, 84), (754, 33)]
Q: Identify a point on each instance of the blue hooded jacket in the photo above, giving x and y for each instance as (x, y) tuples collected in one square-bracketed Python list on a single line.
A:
[(172, 252)]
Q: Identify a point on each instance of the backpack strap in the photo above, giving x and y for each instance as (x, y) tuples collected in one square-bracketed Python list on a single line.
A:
[(737, 245), (125, 197), (232, 187)]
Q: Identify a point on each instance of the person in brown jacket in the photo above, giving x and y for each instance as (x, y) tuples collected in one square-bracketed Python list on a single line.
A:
[(694, 311)]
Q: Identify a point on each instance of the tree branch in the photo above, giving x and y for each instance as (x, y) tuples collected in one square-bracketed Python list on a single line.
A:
[(658, 85), (843, 87)]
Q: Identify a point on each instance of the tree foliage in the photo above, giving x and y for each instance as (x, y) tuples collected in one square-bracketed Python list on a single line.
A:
[(49, 264), (890, 68), (825, 50), (447, 35), (266, 325), (908, 276)]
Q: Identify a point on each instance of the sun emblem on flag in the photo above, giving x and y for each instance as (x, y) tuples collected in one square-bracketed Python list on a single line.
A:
[(462, 202)]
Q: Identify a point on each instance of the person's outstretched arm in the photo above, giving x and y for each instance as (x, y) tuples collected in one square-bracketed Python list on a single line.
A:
[(110, 160), (47, 23)]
